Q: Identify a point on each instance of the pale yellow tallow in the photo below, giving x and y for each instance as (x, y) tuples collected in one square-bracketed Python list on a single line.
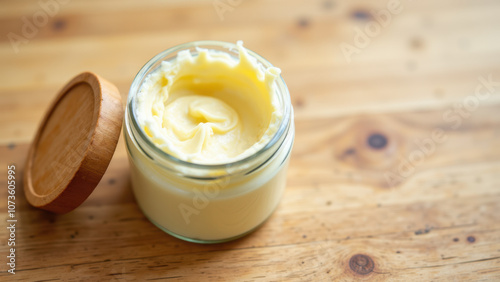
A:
[(210, 108)]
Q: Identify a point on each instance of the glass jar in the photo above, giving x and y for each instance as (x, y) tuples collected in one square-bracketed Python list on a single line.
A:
[(207, 203)]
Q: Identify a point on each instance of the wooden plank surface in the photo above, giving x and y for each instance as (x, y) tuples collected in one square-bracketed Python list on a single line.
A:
[(426, 206)]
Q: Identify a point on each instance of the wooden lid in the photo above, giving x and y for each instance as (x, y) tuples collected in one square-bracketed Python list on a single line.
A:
[(74, 144)]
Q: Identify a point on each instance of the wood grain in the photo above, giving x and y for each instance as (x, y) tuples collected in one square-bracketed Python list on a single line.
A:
[(340, 218)]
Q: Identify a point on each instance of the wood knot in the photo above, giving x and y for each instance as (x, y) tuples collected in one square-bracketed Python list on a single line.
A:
[(377, 141), (299, 103), (368, 144), (303, 22), (59, 24), (362, 15), (327, 4), (361, 264), (372, 146), (416, 43)]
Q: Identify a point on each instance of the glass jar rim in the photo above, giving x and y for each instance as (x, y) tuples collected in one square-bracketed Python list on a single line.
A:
[(282, 90)]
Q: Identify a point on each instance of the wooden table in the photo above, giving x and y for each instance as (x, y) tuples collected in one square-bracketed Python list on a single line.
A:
[(395, 173)]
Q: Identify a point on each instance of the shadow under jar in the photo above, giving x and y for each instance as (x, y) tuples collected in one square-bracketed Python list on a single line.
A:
[(207, 203)]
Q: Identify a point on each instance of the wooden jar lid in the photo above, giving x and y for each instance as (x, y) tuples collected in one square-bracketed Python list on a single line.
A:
[(74, 144)]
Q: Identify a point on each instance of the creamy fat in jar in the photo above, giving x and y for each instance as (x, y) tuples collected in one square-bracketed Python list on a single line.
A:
[(209, 130)]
